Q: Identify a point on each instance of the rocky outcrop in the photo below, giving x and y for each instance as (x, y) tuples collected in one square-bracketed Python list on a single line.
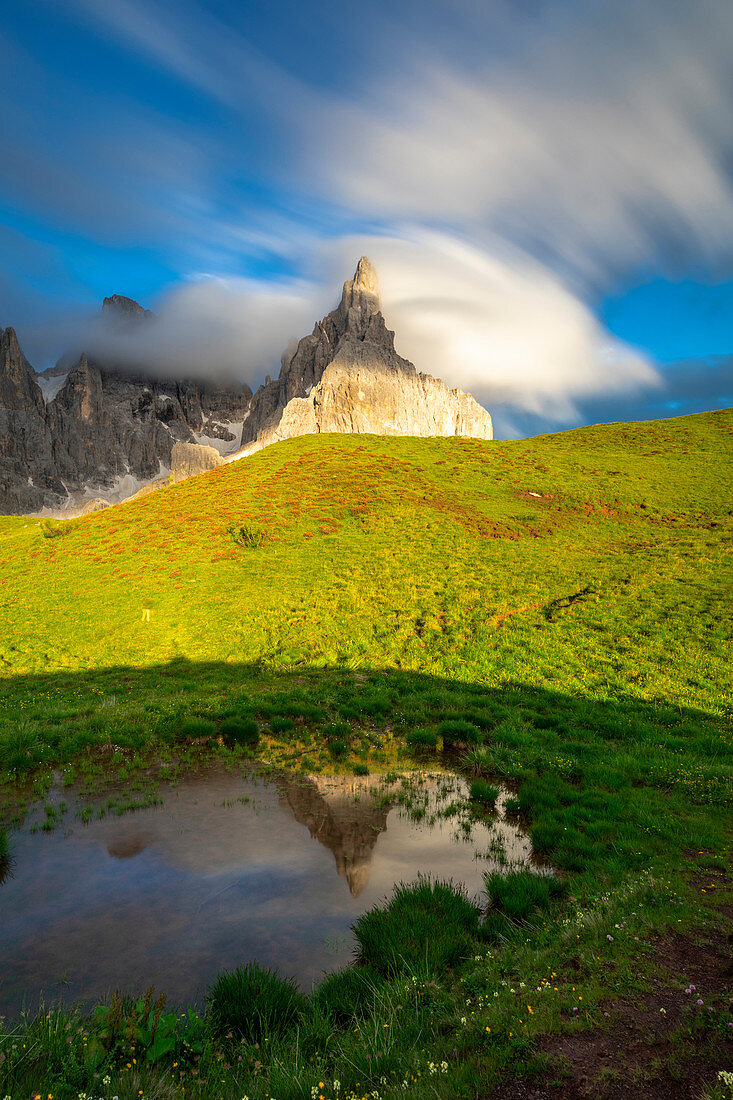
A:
[(189, 459), (28, 473), (347, 377), (118, 306)]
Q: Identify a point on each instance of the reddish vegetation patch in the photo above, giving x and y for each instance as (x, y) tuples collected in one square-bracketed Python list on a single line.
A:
[(655, 1046), (499, 619)]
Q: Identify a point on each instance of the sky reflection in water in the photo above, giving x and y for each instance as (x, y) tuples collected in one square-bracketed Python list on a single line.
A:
[(228, 869)]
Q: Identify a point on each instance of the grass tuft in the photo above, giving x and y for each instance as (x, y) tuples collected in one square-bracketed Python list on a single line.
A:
[(253, 1003), (427, 927), (244, 731), (484, 792), (521, 894)]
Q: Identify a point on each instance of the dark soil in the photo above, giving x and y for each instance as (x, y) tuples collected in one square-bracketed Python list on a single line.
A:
[(660, 1045)]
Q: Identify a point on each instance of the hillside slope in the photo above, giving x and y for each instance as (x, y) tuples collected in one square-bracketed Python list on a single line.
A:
[(556, 558)]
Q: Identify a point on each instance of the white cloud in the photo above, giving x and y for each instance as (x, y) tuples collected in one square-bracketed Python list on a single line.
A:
[(494, 323), (608, 145), (499, 325)]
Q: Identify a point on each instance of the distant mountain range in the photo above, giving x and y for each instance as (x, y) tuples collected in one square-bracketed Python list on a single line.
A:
[(85, 433)]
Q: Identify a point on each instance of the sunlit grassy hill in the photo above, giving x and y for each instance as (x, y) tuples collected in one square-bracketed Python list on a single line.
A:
[(587, 559)]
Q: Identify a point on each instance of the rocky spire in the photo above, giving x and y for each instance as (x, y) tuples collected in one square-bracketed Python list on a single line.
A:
[(362, 291), (18, 386), (347, 377)]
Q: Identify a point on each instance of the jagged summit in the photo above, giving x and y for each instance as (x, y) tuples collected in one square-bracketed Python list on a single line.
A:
[(363, 290), (347, 377)]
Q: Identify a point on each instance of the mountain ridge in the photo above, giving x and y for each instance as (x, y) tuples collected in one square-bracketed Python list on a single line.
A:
[(86, 430)]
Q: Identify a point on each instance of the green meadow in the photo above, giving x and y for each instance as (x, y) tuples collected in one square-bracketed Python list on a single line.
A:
[(552, 614)]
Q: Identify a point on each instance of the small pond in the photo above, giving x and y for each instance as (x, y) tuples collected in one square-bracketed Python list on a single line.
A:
[(228, 867)]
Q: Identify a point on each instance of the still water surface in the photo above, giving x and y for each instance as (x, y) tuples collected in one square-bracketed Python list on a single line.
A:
[(227, 869)]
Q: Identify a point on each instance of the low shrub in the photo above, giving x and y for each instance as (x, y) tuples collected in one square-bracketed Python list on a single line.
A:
[(338, 749), (426, 927), (484, 792), (253, 1003), (456, 731), (361, 769), (521, 894), (244, 731), (248, 537), (421, 739), (347, 993)]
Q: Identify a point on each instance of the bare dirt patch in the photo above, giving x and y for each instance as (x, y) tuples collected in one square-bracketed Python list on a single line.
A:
[(661, 1045)]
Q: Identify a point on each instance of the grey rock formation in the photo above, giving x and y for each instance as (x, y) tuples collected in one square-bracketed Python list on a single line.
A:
[(347, 377), (27, 466), (189, 459), (119, 306), (101, 432)]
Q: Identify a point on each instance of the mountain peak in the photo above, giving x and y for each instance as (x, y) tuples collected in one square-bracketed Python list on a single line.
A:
[(120, 306), (363, 290), (365, 276)]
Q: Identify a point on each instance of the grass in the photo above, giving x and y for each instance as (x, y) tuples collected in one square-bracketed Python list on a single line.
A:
[(252, 1003), (520, 894), (425, 929), (483, 792), (553, 614), (348, 994)]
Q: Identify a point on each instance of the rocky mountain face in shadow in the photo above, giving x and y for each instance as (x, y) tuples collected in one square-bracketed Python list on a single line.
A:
[(347, 377), (101, 433), (85, 431)]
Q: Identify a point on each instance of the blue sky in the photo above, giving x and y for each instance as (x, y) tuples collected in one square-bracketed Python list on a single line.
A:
[(546, 186)]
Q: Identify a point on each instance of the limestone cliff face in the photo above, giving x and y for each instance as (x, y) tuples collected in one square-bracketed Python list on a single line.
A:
[(347, 377)]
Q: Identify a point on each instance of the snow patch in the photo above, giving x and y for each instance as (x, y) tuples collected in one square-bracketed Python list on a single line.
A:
[(124, 486), (50, 386), (224, 447)]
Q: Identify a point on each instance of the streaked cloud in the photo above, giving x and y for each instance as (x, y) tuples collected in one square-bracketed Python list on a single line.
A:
[(504, 166)]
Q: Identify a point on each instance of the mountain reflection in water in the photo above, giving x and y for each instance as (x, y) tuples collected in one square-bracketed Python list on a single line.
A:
[(343, 814), (227, 869)]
